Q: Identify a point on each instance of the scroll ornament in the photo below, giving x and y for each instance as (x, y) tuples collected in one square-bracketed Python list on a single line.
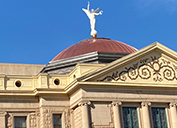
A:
[(151, 67)]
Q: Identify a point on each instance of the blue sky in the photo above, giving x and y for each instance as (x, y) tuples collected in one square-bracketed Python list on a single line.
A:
[(35, 31)]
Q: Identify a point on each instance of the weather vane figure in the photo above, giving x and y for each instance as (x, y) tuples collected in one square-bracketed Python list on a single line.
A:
[(91, 15)]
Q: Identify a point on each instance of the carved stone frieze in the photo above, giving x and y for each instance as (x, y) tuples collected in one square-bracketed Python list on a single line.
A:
[(46, 118), (153, 67), (67, 118), (112, 115), (47, 113), (9, 122), (33, 120)]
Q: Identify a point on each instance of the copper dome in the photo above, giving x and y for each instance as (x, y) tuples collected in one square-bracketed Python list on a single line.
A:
[(93, 45)]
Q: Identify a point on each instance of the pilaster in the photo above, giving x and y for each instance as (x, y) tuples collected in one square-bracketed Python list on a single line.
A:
[(146, 115), (85, 113), (116, 110), (173, 115), (2, 119)]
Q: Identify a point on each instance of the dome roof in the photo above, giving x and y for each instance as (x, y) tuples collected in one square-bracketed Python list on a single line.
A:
[(93, 45)]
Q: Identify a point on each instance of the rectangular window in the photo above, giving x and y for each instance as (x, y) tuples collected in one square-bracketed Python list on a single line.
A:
[(159, 117), (130, 117), (20, 122), (57, 121)]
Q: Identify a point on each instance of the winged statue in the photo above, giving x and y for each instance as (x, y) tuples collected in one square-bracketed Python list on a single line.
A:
[(91, 15)]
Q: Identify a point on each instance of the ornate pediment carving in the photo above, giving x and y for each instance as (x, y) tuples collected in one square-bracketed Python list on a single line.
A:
[(148, 69)]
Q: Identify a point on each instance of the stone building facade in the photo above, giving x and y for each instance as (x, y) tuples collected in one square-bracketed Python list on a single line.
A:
[(92, 90)]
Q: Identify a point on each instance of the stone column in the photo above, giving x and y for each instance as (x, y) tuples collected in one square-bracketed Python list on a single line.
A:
[(117, 115), (173, 115), (2, 119), (85, 113), (146, 114)]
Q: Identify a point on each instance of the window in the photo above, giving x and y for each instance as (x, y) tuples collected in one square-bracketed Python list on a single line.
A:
[(130, 118), (159, 117), (20, 122), (56, 81), (57, 121)]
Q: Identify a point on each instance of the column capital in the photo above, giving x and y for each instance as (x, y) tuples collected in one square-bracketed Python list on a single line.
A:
[(3, 113), (145, 104), (116, 103), (71, 111), (37, 113), (84, 103), (172, 104)]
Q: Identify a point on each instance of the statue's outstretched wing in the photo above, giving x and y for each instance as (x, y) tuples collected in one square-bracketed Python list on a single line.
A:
[(96, 10), (86, 11)]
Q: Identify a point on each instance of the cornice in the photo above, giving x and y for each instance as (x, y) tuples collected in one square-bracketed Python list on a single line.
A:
[(39, 91), (16, 93), (163, 86), (35, 92), (71, 86)]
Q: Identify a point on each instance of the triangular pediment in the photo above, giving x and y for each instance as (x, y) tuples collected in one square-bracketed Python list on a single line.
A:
[(152, 64)]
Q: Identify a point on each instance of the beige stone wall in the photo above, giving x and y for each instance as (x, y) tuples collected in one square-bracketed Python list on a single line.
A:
[(32, 119), (38, 110), (20, 69), (101, 114), (31, 81), (19, 106), (19, 103), (50, 105), (129, 94), (102, 97)]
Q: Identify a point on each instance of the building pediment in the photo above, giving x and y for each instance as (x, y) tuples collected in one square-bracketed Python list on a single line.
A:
[(152, 68), (152, 64)]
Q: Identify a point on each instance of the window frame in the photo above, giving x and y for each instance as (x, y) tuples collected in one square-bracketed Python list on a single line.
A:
[(167, 112), (18, 118), (20, 115), (136, 105), (62, 118)]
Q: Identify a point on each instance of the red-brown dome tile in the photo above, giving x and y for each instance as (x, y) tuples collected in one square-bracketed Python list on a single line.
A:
[(93, 45)]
